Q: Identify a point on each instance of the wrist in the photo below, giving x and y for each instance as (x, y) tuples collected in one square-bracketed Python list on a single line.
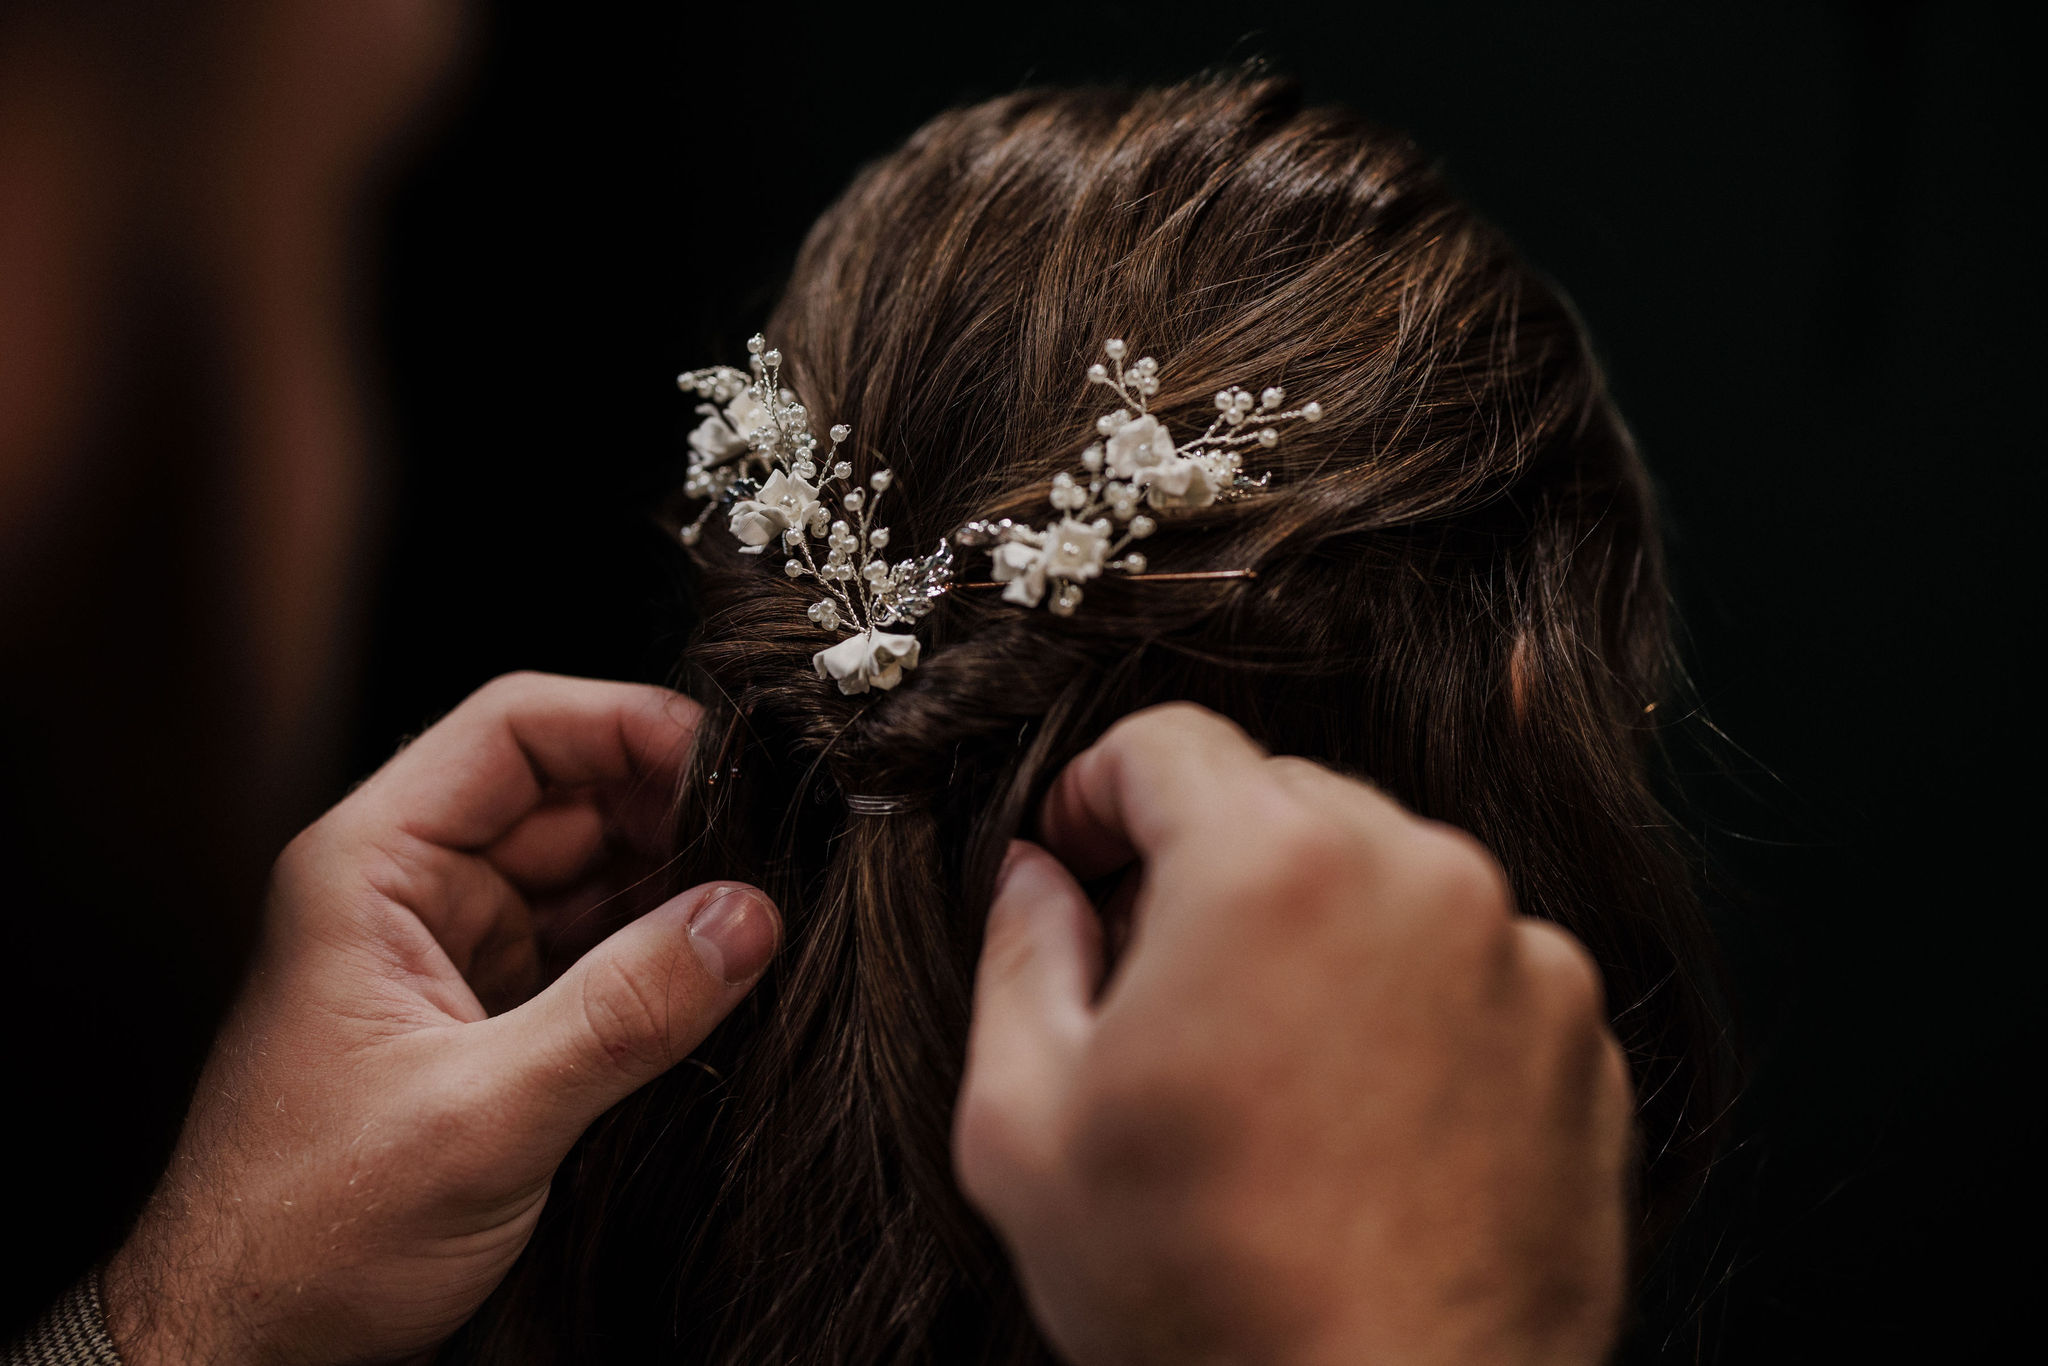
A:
[(169, 1303)]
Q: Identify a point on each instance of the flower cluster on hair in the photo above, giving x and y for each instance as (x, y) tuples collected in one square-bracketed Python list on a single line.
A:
[(1134, 467), (755, 457)]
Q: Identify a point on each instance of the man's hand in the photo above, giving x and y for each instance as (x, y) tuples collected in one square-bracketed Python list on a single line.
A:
[(370, 1147), (1336, 1104)]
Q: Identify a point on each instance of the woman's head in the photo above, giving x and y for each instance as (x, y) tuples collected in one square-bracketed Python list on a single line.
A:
[(1458, 595)]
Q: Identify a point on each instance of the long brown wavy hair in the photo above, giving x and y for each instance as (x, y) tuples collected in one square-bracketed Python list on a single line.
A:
[(1459, 595)]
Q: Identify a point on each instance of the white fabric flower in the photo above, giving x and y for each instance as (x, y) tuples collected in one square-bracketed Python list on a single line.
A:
[(1021, 565), (1138, 444), (1068, 549), (715, 442), (872, 659), (748, 414), (1075, 550), (1179, 483), (783, 502)]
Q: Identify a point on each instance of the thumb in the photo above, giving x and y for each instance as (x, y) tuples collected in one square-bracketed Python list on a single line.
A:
[(1041, 961), (632, 1007)]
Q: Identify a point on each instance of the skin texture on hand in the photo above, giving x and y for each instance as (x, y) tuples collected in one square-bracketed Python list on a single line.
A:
[(370, 1146), (1338, 1103)]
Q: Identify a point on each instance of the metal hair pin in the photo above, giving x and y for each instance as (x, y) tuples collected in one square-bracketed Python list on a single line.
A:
[(755, 457), (1135, 463)]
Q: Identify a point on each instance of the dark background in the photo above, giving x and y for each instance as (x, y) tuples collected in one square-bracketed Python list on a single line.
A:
[(1797, 234)]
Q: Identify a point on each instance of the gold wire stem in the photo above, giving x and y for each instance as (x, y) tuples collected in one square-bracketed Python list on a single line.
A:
[(1180, 576)]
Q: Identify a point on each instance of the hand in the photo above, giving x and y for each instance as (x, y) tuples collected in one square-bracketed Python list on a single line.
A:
[(369, 1148), (1336, 1103)]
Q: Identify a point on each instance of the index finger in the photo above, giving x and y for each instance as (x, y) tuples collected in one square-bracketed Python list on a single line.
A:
[(488, 763), (1158, 775)]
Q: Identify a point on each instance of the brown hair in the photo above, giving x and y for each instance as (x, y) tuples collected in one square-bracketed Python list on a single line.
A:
[(1458, 594)]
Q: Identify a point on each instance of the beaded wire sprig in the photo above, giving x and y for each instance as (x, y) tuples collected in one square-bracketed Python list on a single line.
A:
[(757, 457), (1136, 462)]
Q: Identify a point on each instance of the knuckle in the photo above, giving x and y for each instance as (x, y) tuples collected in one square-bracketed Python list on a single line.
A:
[(509, 687), (1171, 722), (1295, 772), (1462, 872), (628, 1016), (1301, 850), (994, 1155), (1566, 974)]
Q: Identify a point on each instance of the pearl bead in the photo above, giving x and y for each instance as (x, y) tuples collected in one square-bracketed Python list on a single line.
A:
[(1098, 374), (1268, 437), (756, 342), (852, 501), (879, 480), (1134, 563), (1311, 411), (1142, 527), (879, 538), (840, 432), (792, 568), (1272, 397), (1114, 347), (842, 470)]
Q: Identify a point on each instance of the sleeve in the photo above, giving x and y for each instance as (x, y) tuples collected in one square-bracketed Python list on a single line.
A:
[(71, 1332)]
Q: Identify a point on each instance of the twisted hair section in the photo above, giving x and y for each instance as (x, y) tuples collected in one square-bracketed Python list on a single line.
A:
[(1458, 593)]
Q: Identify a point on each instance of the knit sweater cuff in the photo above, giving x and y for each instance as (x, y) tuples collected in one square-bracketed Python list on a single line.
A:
[(71, 1332)]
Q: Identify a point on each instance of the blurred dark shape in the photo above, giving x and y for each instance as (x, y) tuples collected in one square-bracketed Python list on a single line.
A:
[(183, 490)]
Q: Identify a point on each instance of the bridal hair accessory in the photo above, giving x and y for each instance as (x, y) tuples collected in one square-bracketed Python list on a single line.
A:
[(755, 457), (1136, 462), (758, 458)]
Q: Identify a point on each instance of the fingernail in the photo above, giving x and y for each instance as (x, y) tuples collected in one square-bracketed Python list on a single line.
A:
[(734, 933)]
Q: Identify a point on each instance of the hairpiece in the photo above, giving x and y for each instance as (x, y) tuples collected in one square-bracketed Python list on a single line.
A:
[(754, 455), (758, 458), (1136, 462)]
